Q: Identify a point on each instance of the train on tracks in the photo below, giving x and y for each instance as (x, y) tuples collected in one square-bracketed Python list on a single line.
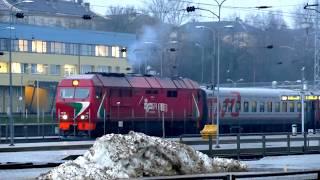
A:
[(97, 103)]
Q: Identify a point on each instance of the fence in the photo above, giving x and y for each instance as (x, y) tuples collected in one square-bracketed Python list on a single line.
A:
[(244, 145), (314, 174)]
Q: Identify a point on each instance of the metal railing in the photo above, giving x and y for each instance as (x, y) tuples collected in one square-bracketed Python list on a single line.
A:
[(256, 144), (312, 174)]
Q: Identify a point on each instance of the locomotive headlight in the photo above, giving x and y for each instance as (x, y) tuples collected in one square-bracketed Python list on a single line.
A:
[(64, 117), (82, 117)]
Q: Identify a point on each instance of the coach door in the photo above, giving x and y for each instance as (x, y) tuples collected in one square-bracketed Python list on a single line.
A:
[(312, 116)]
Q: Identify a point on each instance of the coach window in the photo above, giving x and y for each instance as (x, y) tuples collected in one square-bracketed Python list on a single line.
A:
[(299, 107), (269, 106), (261, 106), (245, 106), (224, 107), (291, 106), (238, 107), (230, 107), (254, 106), (277, 107), (284, 107)]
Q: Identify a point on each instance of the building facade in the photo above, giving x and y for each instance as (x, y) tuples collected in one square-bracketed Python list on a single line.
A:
[(42, 56)]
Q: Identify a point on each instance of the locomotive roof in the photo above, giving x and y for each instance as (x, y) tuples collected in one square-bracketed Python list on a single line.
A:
[(136, 81)]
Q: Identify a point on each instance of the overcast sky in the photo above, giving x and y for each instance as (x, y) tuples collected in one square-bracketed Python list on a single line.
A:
[(230, 7)]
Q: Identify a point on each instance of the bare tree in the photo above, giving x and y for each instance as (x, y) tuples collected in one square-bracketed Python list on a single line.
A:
[(168, 11)]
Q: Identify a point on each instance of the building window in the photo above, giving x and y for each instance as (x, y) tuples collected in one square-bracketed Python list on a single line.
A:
[(69, 70), (39, 46), (101, 50), (39, 68), (115, 51), (3, 67), (20, 45), (86, 50), (109, 69), (124, 52), (3, 44), (102, 69), (117, 69), (55, 70), (58, 48), (86, 68), (16, 68)]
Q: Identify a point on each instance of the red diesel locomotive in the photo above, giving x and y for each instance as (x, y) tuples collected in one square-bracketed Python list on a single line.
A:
[(98, 103)]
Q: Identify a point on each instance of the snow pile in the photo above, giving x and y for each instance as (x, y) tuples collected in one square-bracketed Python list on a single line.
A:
[(134, 155)]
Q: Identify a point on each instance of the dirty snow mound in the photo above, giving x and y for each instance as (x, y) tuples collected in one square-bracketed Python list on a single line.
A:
[(116, 156)]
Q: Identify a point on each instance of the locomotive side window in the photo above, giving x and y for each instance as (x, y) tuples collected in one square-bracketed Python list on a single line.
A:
[(284, 106), (291, 106), (245, 106), (67, 93), (172, 94), (254, 106), (151, 92), (98, 93), (277, 107), (81, 93), (261, 106), (126, 93), (269, 106)]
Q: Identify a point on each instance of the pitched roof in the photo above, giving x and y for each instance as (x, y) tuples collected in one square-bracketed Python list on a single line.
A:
[(29, 32), (52, 7)]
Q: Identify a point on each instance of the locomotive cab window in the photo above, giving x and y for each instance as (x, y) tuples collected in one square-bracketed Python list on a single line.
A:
[(81, 93), (67, 93), (172, 94)]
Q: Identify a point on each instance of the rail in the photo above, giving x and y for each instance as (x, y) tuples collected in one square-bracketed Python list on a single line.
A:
[(313, 174), (256, 144)]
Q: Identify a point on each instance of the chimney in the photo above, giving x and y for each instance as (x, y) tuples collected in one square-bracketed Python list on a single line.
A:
[(87, 6)]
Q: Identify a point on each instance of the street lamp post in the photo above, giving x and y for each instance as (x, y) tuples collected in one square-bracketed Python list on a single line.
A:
[(202, 60), (10, 71), (218, 65), (302, 99)]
